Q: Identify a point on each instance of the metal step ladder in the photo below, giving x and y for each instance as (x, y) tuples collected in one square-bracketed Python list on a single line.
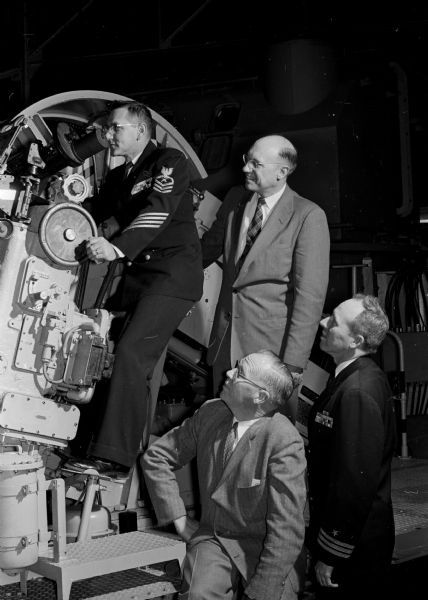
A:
[(106, 555), (90, 557)]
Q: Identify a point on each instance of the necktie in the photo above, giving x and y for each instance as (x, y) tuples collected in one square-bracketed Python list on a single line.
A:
[(229, 442), (327, 390), (253, 230), (330, 382), (128, 169)]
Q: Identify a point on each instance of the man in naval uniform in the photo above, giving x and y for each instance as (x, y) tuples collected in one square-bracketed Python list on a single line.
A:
[(145, 213), (351, 432)]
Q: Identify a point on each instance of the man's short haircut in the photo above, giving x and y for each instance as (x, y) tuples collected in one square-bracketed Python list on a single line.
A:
[(138, 110), (277, 380), (289, 153), (372, 323)]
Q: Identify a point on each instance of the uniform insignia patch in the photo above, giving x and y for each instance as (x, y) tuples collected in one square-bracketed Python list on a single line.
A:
[(141, 185), (324, 419), (164, 182)]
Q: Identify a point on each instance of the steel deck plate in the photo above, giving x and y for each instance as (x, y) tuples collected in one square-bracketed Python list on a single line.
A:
[(111, 554), (410, 503), (133, 584), (410, 494)]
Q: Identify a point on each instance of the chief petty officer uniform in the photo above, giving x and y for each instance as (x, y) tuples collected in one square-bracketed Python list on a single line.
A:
[(148, 216), (351, 433)]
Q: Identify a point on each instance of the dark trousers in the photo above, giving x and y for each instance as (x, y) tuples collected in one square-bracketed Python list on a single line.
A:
[(221, 365), (129, 405)]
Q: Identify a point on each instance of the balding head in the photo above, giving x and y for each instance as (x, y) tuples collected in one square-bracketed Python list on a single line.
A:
[(279, 148), (269, 162)]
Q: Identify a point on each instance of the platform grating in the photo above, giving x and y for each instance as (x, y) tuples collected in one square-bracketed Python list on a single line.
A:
[(410, 494), (118, 545), (133, 584), (410, 502)]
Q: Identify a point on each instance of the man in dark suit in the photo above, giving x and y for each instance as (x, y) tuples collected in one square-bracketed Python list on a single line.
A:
[(351, 432), (251, 526), (145, 214), (275, 246)]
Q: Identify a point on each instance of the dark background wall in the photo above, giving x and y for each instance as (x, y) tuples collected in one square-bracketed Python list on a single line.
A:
[(344, 81)]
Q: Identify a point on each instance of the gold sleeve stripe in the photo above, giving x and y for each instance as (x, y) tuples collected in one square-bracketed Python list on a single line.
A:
[(152, 220), (334, 546)]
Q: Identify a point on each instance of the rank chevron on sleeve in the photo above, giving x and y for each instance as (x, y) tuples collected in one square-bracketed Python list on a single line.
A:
[(152, 220)]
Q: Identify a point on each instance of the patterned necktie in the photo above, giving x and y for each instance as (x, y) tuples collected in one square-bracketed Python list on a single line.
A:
[(253, 230), (229, 442)]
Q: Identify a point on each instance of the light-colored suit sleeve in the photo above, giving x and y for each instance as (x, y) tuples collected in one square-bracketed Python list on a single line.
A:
[(254, 506), (310, 272), (215, 241), (160, 461), (212, 242)]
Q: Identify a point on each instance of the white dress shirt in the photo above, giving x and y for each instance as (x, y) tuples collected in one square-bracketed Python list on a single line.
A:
[(241, 429), (250, 209), (343, 365)]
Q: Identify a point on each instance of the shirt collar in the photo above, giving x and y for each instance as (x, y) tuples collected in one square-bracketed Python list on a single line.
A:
[(343, 365), (273, 199), (134, 160), (244, 423)]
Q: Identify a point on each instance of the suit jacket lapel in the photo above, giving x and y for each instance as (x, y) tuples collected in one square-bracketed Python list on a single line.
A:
[(332, 387), (218, 445), (235, 228), (276, 222), (242, 448), (347, 371)]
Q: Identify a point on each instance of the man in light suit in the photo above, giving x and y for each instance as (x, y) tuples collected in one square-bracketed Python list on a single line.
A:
[(251, 529), (273, 292)]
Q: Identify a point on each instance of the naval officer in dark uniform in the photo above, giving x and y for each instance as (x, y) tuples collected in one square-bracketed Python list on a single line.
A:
[(145, 212), (351, 432)]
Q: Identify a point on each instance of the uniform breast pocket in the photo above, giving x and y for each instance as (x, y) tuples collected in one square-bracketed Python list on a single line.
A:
[(252, 499)]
